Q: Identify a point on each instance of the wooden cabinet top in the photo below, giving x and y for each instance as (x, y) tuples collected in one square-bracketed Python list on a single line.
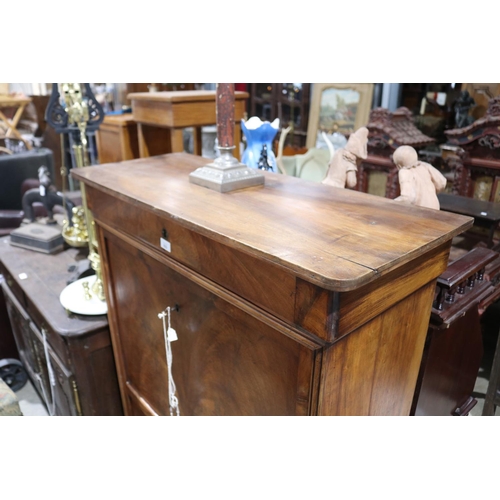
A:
[(181, 96), (122, 120), (336, 238)]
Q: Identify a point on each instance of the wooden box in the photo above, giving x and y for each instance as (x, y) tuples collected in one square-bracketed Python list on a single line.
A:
[(39, 237), (294, 298)]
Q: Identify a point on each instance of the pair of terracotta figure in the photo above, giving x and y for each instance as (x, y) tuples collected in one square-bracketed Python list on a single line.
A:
[(419, 182)]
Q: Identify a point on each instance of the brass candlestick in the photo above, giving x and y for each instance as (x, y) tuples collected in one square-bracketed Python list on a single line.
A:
[(78, 115)]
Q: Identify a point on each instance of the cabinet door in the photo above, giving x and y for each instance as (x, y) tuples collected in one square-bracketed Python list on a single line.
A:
[(30, 344), (59, 391), (225, 361), (20, 321)]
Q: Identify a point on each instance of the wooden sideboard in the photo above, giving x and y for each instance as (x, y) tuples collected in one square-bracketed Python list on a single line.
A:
[(378, 174), (454, 346), (78, 347), (161, 118), (294, 298)]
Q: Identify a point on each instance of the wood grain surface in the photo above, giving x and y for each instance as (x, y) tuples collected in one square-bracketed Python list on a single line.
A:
[(294, 298), (338, 239), (373, 371), (226, 362), (182, 96)]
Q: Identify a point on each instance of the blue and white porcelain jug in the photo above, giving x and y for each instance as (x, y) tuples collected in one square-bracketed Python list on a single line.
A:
[(258, 133)]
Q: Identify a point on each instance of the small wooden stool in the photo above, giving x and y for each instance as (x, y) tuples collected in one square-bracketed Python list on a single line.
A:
[(7, 101)]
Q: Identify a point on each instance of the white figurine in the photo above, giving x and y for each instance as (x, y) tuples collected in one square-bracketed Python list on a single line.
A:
[(344, 164), (419, 182)]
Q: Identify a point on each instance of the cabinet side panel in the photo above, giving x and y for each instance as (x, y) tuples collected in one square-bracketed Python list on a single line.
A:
[(94, 366), (373, 371), (108, 144), (359, 306), (453, 357), (316, 309), (225, 362)]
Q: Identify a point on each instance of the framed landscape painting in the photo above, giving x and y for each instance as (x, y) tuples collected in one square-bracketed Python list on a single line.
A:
[(338, 107)]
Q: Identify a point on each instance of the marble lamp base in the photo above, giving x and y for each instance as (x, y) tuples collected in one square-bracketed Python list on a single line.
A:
[(226, 174)]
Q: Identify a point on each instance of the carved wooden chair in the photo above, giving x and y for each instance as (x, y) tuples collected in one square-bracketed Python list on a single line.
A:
[(11, 219), (311, 166), (387, 131), (454, 347), (474, 156)]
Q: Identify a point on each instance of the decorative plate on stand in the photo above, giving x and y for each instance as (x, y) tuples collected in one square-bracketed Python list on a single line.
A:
[(73, 298)]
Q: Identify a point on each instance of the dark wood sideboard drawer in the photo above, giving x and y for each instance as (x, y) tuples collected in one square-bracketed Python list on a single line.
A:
[(262, 283), (13, 286), (55, 339)]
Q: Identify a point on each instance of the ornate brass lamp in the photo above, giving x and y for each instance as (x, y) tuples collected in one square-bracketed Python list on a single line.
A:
[(76, 118)]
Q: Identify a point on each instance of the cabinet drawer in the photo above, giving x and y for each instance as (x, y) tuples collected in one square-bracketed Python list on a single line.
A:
[(29, 312), (13, 285), (263, 283)]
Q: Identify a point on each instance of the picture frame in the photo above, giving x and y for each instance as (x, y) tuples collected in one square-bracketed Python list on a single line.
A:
[(338, 107)]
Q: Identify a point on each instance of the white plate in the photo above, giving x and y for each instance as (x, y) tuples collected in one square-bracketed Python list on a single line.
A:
[(73, 299)]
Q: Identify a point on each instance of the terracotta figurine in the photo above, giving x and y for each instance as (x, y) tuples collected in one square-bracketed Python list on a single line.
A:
[(419, 182), (344, 164)]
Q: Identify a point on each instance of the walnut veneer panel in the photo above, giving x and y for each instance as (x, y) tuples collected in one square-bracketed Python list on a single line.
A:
[(359, 306), (294, 298), (237, 271), (181, 108), (374, 370), (225, 361)]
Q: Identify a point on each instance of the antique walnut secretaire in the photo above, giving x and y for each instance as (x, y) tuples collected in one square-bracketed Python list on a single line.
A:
[(292, 298)]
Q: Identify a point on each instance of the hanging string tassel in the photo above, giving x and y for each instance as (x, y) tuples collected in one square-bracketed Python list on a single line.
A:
[(169, 334)]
